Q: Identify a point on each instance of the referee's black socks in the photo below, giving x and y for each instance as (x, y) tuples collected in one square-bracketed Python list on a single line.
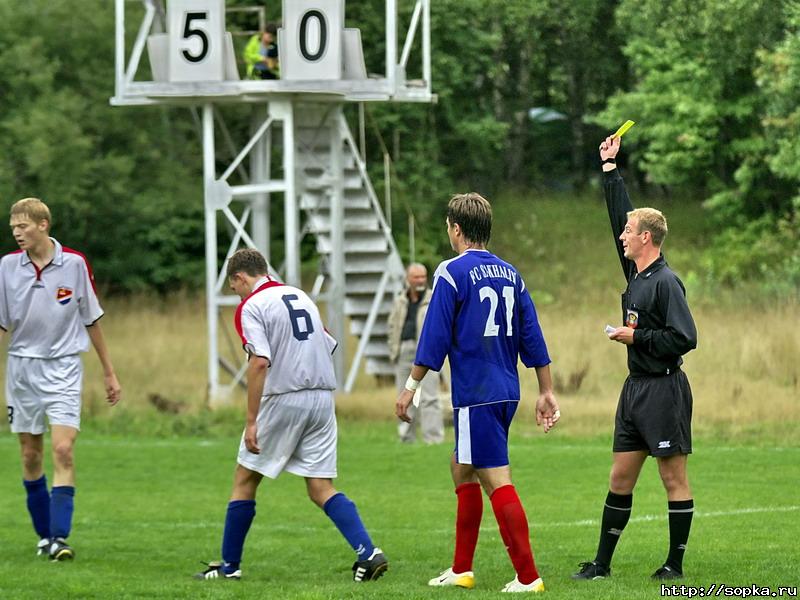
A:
[(680, 522), (616, 513)]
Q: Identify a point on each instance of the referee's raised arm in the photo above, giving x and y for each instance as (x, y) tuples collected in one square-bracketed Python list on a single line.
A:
[(617, 200)]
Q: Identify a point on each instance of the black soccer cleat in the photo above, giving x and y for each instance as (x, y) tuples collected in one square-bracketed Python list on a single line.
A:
[(666, 572), (370, 569), (214, 570), (43, 547), (60, 550), (592, 570)]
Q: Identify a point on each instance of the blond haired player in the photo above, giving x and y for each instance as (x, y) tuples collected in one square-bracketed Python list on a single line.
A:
[(49, 306)]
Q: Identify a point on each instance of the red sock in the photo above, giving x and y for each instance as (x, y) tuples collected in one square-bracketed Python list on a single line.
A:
[(468, 525), (514, 530)]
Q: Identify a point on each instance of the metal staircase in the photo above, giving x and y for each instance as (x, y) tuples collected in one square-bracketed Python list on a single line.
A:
[(373, 269)]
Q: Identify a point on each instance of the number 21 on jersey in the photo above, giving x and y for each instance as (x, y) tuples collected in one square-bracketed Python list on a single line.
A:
[(492, 328)]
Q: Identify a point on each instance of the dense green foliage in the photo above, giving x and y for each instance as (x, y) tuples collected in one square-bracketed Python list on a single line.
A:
[(147, 511), (122, 183), (713, 86)]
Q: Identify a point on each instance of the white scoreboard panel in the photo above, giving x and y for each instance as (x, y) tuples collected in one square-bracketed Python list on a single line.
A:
[(311, 39), (196, 40)]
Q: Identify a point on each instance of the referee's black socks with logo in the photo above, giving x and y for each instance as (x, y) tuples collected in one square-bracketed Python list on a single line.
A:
[(680, 521), (616, 513)]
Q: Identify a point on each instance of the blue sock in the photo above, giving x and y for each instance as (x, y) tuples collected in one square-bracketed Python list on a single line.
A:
[(39, 505), (61, 506), (344, 514), (237, 523)]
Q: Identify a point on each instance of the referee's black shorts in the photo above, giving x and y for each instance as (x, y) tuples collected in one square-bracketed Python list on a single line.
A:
[(655, 414)]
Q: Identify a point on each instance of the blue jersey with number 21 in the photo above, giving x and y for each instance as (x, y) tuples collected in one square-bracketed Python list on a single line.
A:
[(483, 318)]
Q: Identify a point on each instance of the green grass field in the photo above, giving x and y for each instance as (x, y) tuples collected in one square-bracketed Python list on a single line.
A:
[(149, 509), (153, 486)]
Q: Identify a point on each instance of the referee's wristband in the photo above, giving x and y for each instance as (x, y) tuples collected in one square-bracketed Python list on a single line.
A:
[(613, 161), (412, 384)]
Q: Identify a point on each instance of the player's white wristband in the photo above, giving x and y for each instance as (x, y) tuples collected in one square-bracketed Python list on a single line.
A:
[(412, 384)]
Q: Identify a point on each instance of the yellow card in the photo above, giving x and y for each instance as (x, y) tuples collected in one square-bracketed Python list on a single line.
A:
[(625, 126)]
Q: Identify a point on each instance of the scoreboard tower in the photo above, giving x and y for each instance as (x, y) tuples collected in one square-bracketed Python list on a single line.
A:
[(322, 179)]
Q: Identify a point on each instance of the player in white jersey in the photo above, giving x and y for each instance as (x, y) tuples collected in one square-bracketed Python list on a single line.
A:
[(49, 306), (291, 423)]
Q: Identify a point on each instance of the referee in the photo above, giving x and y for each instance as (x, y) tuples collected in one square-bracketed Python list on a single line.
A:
[(654, 413)]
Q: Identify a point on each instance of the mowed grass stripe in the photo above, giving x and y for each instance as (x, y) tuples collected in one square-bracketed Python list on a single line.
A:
[(148, 511)]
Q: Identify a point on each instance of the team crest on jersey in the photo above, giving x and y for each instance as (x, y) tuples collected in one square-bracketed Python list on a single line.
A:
[(632, 320), (63, 295)]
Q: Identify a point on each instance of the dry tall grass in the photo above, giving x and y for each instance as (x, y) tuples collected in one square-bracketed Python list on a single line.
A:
[(745, 373)]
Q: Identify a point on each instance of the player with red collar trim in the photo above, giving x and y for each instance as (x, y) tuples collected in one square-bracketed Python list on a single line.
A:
[(291, 424), (48, 304)]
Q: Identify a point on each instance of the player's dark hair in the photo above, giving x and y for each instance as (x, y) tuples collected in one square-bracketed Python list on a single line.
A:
[(473, 213), (247, 260), (271, 28)]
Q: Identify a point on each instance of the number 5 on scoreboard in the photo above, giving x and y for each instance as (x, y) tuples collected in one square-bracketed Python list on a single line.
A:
[(196, 40), (492, 329), (190, 31)]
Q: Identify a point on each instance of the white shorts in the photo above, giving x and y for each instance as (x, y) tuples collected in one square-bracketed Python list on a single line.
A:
[(296, 432), (39, 386)]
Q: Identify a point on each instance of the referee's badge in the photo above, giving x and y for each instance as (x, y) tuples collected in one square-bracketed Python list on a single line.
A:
[(63, 295), (632, 320)]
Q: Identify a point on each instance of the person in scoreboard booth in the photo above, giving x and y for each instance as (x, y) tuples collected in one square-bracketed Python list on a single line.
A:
[(291, 423), (482, 318), (654, 414), (261, 54), (49, 306)]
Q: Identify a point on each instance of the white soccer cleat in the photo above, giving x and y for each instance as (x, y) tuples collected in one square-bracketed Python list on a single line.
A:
[(448, 577), (215, 570), (533, 587)]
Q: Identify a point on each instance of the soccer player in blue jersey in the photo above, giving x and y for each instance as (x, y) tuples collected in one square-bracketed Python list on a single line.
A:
[(482, 317)]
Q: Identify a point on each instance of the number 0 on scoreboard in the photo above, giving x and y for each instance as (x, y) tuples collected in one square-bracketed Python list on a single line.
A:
[(311, 40)]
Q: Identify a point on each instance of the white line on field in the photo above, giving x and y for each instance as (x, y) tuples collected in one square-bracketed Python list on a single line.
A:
[(663, 517), (535, 525)]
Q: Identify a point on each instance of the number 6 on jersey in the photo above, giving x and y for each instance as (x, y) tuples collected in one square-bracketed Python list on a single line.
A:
[(301, 332), (492, 329)]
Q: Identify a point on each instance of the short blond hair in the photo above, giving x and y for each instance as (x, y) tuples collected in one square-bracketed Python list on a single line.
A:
[(652, 220), (33, 208)]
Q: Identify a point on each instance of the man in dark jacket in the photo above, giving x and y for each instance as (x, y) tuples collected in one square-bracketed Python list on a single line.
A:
[(654, 413)]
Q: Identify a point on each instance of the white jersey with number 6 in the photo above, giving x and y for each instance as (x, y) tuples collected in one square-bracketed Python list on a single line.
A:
[(282, 324)]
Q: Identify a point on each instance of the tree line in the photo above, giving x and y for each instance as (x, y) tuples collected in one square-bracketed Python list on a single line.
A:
[(714, 86)]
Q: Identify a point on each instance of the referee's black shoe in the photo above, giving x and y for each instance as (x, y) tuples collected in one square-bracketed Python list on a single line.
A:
[(370, 569), (666, 572), (592, 570), (60, 550)]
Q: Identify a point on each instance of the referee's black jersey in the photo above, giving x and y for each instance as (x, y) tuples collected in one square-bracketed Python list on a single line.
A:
[(654, 304)]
